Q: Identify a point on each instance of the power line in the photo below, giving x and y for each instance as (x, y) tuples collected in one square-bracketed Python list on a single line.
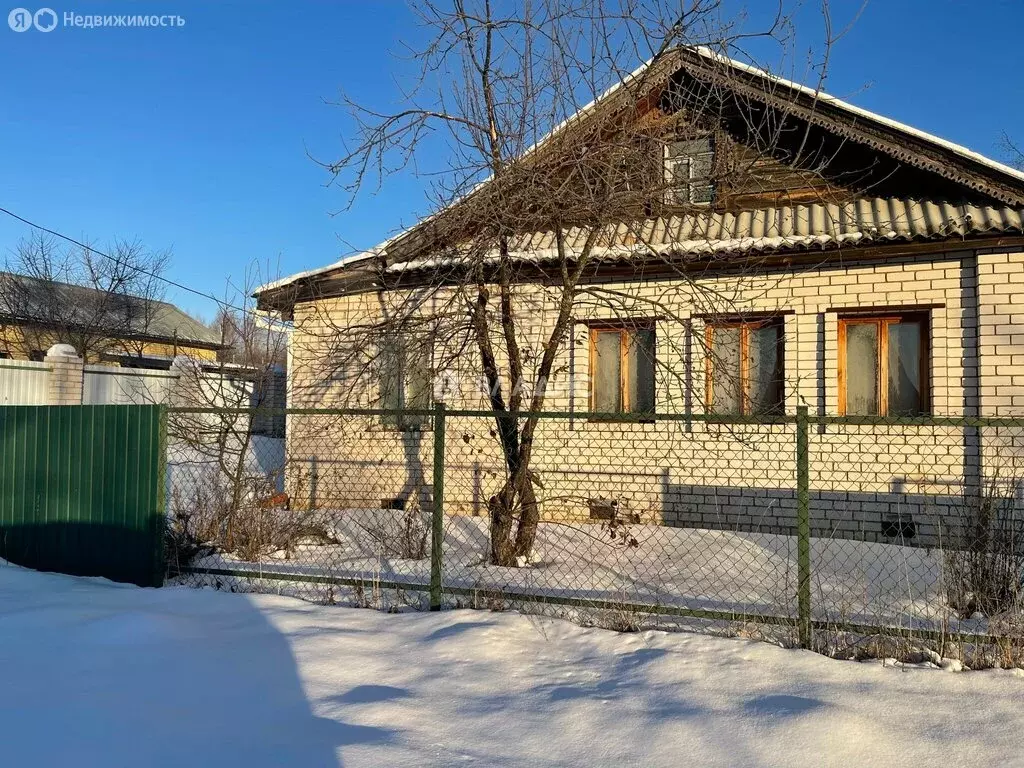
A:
[(149, 273)]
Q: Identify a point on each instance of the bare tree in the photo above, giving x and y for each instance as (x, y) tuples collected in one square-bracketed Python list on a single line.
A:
[(522, 223), (52, 293), (1013, 151), (224, 406), (249, 339)]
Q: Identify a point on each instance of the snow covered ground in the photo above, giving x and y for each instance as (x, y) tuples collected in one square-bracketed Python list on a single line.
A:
[(748, 573), (100, 674)]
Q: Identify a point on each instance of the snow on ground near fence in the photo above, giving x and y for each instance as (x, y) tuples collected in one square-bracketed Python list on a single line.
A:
[(99, 674), (748, 573), (192, 467)]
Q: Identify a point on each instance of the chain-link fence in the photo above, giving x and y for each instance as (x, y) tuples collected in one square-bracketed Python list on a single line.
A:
[(847, 535)]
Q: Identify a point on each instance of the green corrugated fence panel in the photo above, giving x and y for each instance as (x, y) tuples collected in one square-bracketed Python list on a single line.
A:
[(81, 490)]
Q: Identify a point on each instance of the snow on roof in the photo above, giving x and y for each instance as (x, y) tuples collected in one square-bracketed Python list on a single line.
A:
[(344, 261), (707, 53)]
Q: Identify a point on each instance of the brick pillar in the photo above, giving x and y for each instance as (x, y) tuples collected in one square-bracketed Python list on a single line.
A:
[(64, 386)]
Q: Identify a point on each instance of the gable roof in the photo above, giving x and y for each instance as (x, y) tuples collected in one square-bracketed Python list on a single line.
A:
[(997, 182), (132, 316)]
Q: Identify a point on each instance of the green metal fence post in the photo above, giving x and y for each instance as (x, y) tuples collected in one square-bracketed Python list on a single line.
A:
[(437, 514), (803, 527), (160, 513)]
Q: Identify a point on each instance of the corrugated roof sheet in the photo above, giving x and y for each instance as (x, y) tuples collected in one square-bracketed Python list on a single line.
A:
[(797, 227), (34, 300)]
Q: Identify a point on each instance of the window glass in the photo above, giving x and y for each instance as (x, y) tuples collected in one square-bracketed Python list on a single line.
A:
[(405, 381), (608, 374), (726, 381), (688, 171), (905, 369), (884, 366), (640, 363), (764, 353), (862, 369), (623, 375), (390, 365)]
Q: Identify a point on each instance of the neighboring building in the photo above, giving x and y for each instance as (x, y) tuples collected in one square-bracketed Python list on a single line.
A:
[(108, 328), (882, 279)]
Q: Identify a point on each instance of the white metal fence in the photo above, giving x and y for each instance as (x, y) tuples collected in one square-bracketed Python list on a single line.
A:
[(26, 383), (23, 382), (103, 385)]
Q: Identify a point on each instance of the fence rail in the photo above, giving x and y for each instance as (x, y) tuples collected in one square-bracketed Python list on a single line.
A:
[(822, 530)]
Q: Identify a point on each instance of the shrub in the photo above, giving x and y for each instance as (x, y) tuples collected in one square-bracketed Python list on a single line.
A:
[(208, 518), (403, 534), (984, 566), (183, 544)]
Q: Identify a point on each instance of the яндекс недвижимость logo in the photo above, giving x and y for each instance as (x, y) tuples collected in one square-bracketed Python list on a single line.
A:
[(22, 19), (46, 20)]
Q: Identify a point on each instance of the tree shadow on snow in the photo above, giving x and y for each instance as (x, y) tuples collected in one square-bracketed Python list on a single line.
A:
[(451, 630), (111, 675), (781, 705), (370, 694)]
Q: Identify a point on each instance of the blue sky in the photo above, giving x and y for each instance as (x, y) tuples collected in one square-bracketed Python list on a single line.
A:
[(196, 138)]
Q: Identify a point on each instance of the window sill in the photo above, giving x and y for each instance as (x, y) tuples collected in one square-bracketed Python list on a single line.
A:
[(647, 418), (407, 430)]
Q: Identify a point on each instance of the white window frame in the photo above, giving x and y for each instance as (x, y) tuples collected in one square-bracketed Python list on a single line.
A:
[(682, 191)]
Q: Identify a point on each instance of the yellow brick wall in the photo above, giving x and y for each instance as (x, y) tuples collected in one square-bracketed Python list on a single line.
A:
[(696, 474), (17, 343)]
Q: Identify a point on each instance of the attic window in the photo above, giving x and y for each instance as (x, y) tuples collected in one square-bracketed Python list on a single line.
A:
[(688, 169)]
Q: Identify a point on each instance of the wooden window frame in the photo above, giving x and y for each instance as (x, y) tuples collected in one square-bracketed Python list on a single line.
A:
[(401, 348), (882, 321), (745, 327), (623, 328)]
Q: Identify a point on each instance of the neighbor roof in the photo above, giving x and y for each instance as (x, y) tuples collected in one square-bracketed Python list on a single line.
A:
[(38, 301), (917, 215)]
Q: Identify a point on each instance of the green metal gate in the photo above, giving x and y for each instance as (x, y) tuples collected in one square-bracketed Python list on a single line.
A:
[(82, 490)]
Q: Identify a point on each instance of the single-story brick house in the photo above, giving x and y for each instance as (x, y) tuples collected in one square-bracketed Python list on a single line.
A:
[(109, 328), (883, 281)]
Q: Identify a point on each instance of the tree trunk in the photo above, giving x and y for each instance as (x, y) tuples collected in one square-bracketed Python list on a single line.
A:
[(514, 507)]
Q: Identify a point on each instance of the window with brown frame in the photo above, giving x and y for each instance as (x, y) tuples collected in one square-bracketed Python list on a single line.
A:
[(883, 365), (745, 367), (405, 381), (622, 368)]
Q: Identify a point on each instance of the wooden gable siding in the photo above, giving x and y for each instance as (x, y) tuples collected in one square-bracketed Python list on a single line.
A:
[(760, 180), (744, 176)]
